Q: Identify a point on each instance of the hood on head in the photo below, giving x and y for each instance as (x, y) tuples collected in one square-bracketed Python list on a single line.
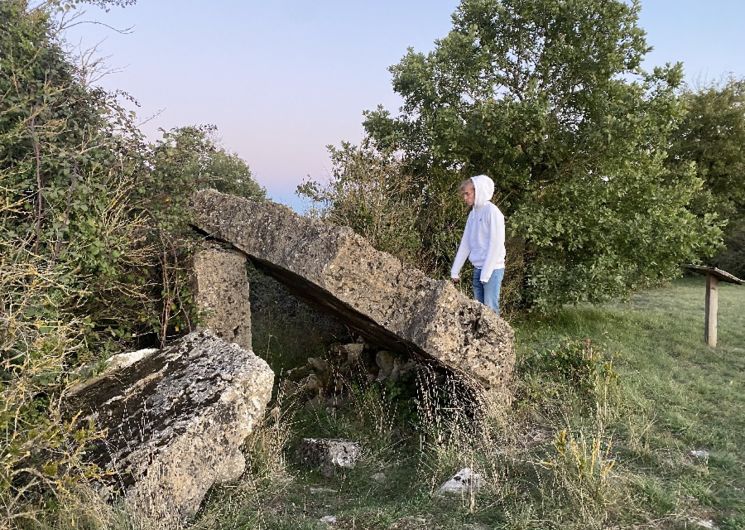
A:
[(484, 188)]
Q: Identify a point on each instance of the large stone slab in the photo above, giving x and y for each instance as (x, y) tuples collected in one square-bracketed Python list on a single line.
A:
[(391, 304), (174, 421)]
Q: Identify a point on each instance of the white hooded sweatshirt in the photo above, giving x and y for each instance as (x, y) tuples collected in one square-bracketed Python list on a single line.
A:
[(483, 239)]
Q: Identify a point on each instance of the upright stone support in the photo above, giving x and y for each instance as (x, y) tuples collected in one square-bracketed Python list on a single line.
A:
[(221, 294), (712, 306)]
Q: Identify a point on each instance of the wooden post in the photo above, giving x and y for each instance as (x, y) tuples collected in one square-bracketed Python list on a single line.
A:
[(712, 305), (713, 275)]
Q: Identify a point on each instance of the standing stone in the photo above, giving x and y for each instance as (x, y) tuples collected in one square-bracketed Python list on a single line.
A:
[(221, 294), (174, 421)]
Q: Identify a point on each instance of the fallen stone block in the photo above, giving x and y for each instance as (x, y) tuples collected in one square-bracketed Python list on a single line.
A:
[(392, 305), (328, 455), (174, 420)]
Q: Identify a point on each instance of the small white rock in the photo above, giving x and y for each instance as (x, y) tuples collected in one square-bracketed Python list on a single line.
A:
[(463, 481), (321, 491), (328, 519), (704, 523), (379, 477), (700, 454), (122, 360)]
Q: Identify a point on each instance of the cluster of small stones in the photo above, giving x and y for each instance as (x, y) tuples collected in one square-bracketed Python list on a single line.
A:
[(328, 455), (357, 361)]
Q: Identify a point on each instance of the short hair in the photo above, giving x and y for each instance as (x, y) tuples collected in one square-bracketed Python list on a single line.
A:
[(463, 184)]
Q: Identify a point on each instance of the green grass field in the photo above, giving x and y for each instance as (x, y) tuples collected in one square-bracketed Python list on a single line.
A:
[(606, 451), (680, 394)]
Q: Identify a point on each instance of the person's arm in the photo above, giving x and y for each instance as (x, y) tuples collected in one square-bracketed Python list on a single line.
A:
[(496, 244), (464, 249)]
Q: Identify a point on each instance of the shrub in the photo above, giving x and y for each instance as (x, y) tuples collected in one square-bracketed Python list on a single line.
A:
[(578, 366), (89, 265), (370, 192), (582, 475)]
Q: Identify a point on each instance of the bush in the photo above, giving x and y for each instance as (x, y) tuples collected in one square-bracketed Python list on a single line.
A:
[(42, 450), (582, 475), (92, 258), (574, 370), (370, 192)]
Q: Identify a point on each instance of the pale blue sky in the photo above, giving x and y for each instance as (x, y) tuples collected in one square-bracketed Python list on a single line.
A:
[(282, 79)]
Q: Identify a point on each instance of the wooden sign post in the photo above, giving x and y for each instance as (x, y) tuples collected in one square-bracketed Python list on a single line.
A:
[(711, 308), (713, 275)]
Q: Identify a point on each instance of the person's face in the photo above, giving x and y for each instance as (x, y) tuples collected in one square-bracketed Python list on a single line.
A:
[(469, 194)]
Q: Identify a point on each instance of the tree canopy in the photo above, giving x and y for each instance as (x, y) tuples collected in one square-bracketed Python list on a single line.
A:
[(711, 136), (548, 97)]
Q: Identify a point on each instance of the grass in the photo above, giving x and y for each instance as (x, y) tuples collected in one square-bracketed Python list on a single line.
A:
[(680, 395), (610, 402), (594, 440)]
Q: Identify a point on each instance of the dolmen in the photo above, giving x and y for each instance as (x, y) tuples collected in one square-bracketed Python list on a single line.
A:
[(386, 301)]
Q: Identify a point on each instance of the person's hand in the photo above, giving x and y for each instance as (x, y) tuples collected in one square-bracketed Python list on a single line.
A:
[(455, 280)]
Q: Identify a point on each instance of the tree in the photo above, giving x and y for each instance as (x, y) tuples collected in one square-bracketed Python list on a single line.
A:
[(370, 192), (712, 135), (187, 159), (184, 160), (68, 157), (548, 98), (86, 249)]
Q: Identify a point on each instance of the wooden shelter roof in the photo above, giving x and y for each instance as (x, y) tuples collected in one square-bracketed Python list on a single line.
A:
[(717, 273)]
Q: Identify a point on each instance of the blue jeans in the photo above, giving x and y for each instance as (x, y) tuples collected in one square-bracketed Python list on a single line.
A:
[(488, 293)]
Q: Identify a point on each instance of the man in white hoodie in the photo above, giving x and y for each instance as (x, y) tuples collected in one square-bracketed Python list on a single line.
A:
[(482, 242)]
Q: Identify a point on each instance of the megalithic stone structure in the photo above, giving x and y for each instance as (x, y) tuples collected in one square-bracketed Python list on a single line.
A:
[(389, 303)]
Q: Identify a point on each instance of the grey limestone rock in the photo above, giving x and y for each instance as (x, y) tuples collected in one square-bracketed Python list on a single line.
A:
[(329, 519), (700, 454), (328, 455), (174, 421), (392, 305), (463, 482), (221, 293)]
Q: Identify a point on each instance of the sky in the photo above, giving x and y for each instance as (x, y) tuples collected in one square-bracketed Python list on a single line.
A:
[(282, 79)]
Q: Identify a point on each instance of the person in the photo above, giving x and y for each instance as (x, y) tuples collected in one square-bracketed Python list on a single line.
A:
[(482, 242)]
